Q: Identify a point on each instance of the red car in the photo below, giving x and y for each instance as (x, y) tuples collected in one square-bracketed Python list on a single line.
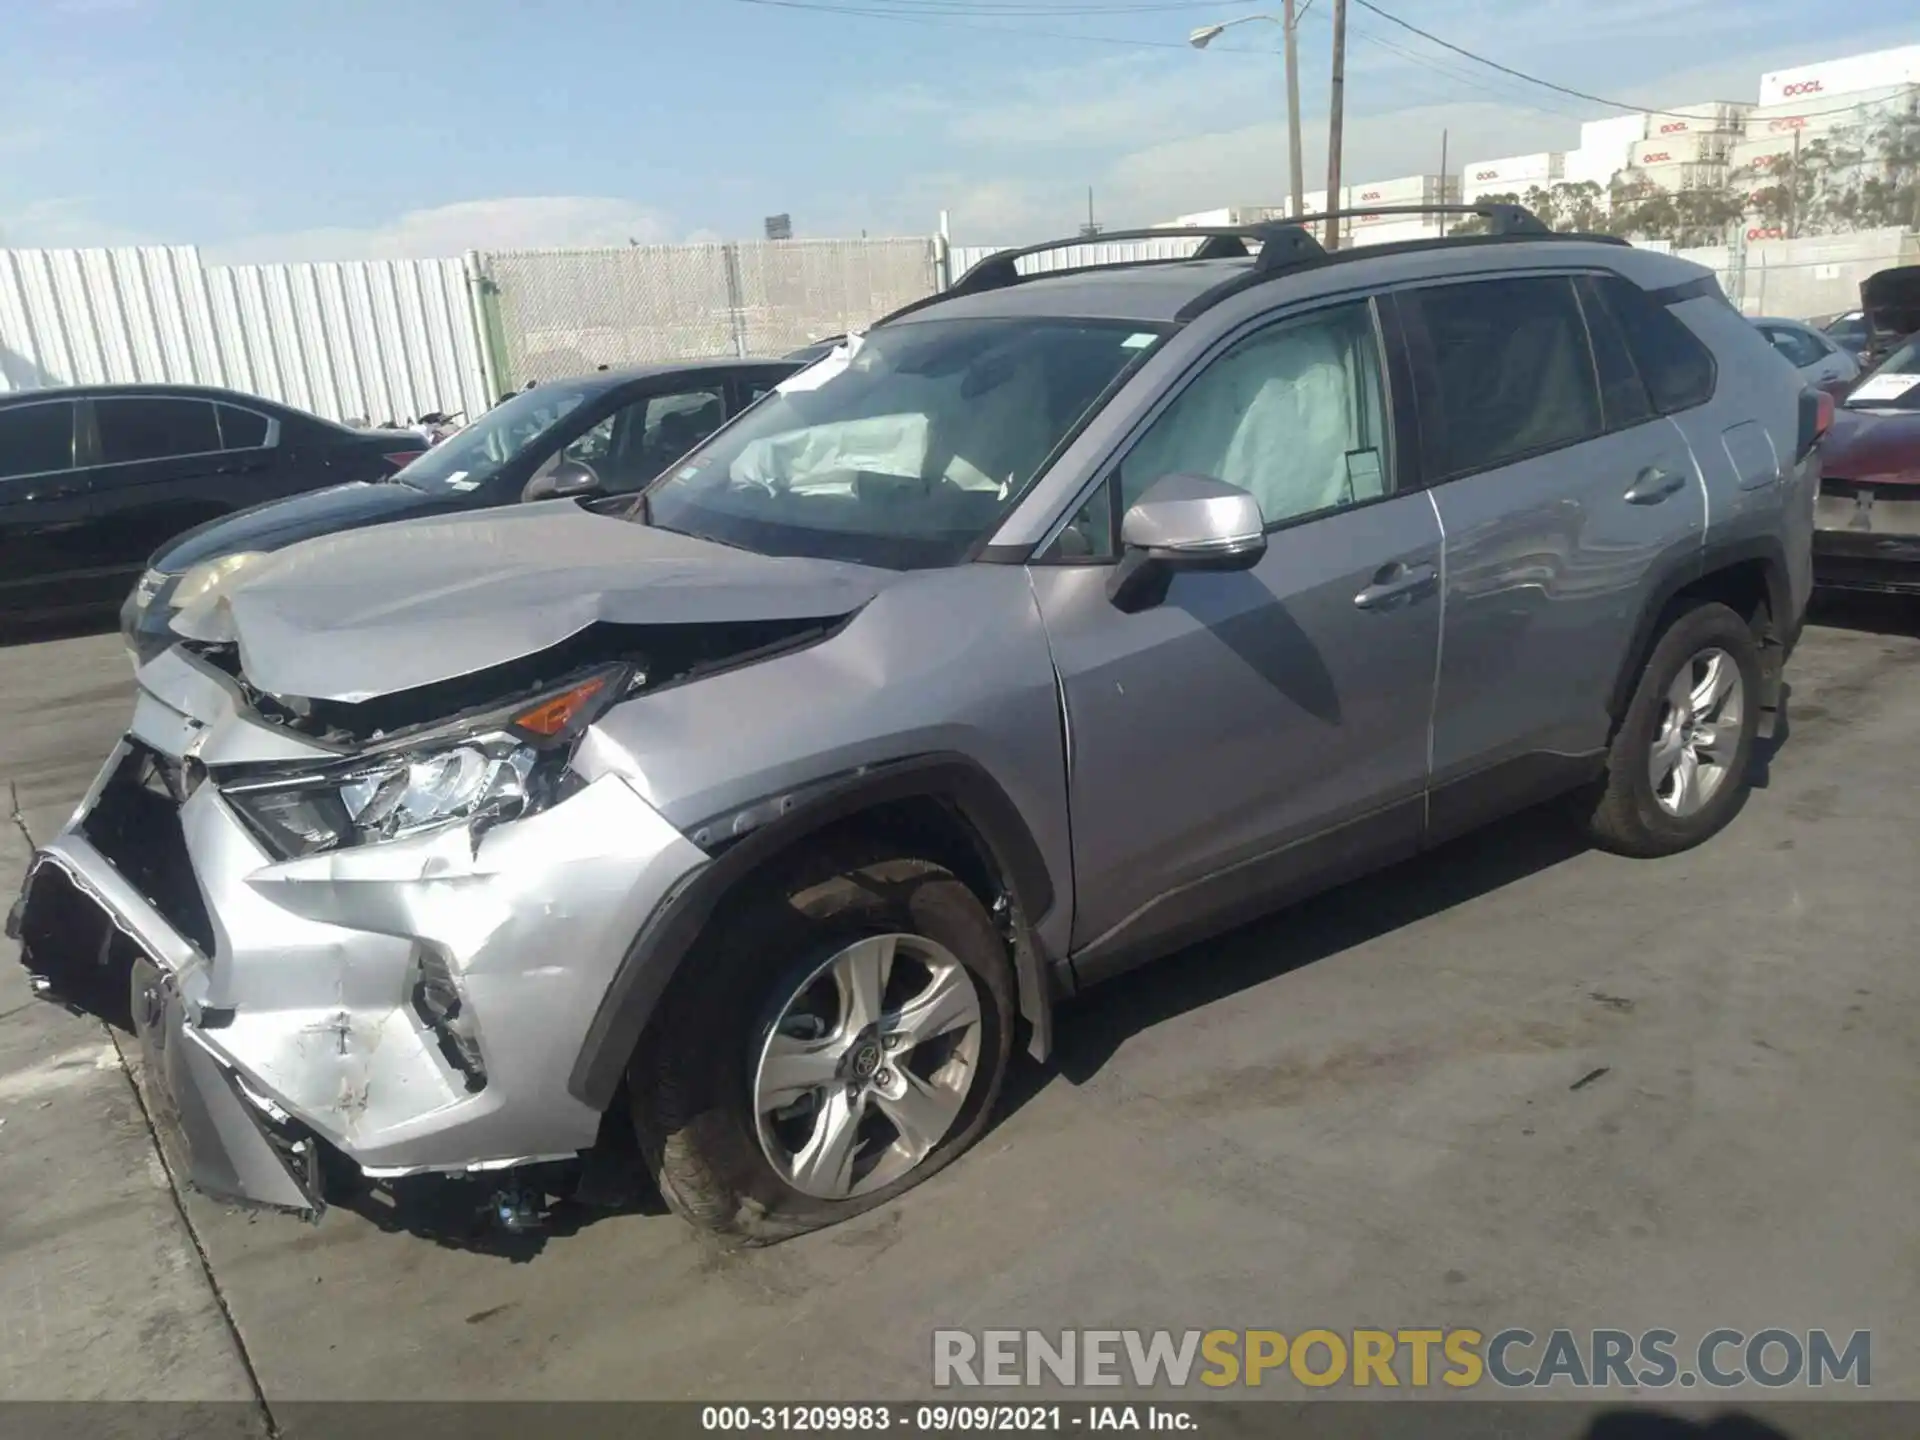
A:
[(1868, 513)]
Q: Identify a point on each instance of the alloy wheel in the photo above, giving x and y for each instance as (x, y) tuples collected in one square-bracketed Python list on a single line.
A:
[(867, 1066), (1697, 735)]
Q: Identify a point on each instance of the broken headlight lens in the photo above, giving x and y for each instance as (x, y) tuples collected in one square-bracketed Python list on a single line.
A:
[(485, 777), (496, 769)]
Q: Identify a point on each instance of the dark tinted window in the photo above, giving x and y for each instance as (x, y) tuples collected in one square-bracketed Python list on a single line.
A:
[(1514, 371), (241, 429), (36, 438), (1678, 369), (1623, 394), (149, 429)]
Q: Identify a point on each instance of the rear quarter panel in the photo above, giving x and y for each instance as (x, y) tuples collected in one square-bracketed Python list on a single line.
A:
[(1744, 439)]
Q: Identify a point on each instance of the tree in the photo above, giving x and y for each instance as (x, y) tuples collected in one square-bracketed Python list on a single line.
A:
[(1578, 206)]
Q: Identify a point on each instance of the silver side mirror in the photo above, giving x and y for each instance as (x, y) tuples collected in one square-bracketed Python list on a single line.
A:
[(1184, 522)]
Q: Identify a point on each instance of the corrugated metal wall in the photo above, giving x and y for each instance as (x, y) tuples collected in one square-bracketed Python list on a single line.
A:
[(371, 340), (368, 339), (88, 317)]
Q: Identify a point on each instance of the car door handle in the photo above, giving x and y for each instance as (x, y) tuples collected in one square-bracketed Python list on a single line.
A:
[(1392, 582), (1653, 485)]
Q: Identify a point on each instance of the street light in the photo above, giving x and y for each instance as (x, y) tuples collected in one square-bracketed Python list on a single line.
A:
[(1204, 35)]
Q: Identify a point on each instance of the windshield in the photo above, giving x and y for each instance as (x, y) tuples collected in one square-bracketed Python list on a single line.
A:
[(903, 448), (471, 457), (1893, 384)]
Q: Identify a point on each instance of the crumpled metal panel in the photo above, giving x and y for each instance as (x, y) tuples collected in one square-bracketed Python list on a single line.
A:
[(373, 612)]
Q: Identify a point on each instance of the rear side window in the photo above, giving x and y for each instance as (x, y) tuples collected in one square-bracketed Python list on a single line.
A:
[(140, 428), (1677, 367), (1801, 349), (1513, 369), (241, 429), (36, 439), (1623, 394)]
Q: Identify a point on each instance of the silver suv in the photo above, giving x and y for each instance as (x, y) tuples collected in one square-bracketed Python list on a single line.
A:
[(1051, 624)]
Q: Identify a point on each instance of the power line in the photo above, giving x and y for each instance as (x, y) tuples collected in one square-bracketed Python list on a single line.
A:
[(1552, 85)]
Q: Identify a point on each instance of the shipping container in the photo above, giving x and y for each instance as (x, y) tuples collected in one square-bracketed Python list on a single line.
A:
[(1513, 170), (1836, 79), (1616, 132), (1681, 175), (1678, 149), (1860, 110), (1708, 115), (1408, 190), (1759, 151), (1392, 230)]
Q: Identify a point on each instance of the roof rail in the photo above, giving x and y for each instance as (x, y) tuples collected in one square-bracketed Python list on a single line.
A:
[(1284, 244), (1218, 242)]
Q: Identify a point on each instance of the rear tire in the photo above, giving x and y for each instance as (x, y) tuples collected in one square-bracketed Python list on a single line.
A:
[(1678, 768), (827, 966)]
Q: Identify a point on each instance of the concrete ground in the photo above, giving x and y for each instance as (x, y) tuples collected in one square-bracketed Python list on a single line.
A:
[(1512, 1083)]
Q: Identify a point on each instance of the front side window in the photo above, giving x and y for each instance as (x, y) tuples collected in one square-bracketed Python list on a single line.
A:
[(1513, 371), (36, 439), (636, 442), (1295, 414), (904, 452), (153, 428), (475, 455)]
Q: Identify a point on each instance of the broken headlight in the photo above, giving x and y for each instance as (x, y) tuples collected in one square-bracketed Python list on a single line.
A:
[(489, 769)]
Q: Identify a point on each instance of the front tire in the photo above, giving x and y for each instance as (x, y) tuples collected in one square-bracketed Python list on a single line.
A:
[(839, 1035), (1678, 768)]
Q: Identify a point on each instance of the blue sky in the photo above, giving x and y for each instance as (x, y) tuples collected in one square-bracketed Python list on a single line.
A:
[(322, 129)]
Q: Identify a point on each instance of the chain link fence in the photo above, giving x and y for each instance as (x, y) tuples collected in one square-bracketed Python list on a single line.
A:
[(1813, 277), (551, 313)]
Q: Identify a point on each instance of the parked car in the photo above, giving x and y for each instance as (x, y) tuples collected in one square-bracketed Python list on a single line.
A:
[(606, 433), (1869, 509), (1821, 362), (1059, 622), (93, 478), (1890, 302), (1848, 331)]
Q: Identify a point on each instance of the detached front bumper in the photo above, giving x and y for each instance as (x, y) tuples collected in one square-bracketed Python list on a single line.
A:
[(1867, 537), (416, 1005)]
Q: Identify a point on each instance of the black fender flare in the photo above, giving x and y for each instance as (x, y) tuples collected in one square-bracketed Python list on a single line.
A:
[(656, 953), (1711, 559)]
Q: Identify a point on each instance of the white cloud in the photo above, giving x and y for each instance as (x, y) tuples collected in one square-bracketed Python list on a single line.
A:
[(509, 223), (1162, 135)]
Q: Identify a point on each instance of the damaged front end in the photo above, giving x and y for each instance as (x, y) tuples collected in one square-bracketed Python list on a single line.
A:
[(364, 932)]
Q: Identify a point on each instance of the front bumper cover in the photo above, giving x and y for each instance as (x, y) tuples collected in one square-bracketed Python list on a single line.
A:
[(285, 999)]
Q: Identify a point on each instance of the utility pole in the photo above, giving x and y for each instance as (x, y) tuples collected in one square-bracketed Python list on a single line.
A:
[(1333, 121), (1295, 169), (1444, 192)]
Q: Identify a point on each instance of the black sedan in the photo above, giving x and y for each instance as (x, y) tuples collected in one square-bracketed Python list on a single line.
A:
[(93, 478), (602, 434)]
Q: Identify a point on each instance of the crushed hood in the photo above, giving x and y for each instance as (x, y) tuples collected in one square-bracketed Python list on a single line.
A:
[(373, 612)]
